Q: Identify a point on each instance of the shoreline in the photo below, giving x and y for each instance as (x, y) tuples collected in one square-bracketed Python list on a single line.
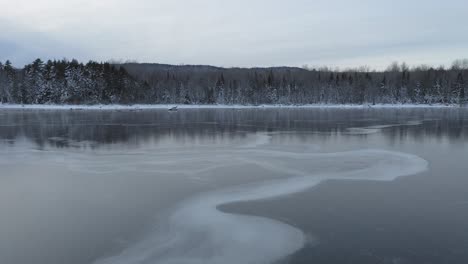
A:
[(168, 106)]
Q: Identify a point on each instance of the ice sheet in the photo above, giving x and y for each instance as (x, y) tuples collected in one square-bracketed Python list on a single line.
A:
[(196, 232)]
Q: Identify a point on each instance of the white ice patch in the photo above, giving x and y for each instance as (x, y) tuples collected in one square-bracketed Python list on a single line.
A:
[(259, 140), (377, 128), (196, 232)]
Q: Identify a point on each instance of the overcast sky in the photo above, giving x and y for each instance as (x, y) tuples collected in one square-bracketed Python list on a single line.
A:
[(343, 33)]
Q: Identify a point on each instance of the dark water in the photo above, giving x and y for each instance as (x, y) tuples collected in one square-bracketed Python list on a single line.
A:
[(90, 186)]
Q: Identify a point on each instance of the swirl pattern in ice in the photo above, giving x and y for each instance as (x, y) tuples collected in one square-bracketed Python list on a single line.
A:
[(197, 232)]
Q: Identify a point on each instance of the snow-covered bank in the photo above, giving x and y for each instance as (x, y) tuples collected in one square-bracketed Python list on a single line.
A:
[(164, 106)]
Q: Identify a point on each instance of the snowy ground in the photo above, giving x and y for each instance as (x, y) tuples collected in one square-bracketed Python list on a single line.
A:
[(164, 106)]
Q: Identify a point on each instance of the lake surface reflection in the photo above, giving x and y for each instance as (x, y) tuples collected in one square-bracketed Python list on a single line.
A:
[(234, 186)]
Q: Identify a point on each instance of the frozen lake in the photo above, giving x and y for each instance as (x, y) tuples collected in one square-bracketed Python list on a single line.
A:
[(305, 185)]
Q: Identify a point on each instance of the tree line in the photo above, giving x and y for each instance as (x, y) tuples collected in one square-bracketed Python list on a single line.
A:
[(68, 82), (72, 82)]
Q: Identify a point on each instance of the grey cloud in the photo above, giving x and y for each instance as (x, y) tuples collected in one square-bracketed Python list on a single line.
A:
[(244, 33)]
